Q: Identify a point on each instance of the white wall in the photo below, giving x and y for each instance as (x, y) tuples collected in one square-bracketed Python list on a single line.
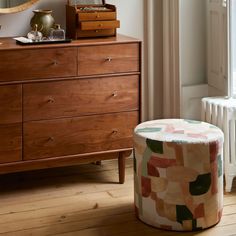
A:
[(233, 42), (193, 44), (233, 50), (233, 46), (130, 13), (193, 56)]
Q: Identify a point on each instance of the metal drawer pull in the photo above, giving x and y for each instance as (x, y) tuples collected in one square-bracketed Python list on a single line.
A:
[(115, 94), (100, 25), (51, 100), (109, 59), (115, 131), (51, 139), (55, 62), (97, 16)]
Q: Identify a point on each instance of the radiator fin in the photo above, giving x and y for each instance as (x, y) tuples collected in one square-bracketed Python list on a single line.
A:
[(221, 111)]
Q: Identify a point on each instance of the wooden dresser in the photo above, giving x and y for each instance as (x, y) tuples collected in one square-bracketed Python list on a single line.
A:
[(66, 104)]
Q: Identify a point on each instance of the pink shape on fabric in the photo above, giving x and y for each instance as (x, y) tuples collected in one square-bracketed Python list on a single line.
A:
[(152, 170), (200, 136), (169, 129), (178, 132), (162, 162), (146, 186), (214, 149)]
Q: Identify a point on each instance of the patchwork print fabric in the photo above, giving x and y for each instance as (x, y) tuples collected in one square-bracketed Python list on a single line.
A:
[(178, 174)]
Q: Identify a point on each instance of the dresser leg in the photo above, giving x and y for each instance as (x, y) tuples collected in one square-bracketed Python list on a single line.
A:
[(98, 163), (121, 163)]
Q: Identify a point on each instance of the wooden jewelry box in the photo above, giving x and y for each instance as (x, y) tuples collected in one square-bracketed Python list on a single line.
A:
[(91, 20)]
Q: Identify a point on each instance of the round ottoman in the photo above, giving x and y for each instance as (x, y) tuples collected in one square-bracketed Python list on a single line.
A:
[(178, 174)]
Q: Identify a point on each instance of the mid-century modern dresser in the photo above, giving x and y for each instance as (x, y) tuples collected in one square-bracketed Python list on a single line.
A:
[(66, 104)]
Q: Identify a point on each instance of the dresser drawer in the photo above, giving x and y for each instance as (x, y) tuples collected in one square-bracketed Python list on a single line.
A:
[(106, 59), (80, 97), (97, 25), (38, 64), (10, 143), (10, 104), (96, 16), (95, 33), (52, 138)]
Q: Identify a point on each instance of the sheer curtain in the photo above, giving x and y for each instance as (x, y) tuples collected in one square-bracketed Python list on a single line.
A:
[(153, 61), (161, 59)]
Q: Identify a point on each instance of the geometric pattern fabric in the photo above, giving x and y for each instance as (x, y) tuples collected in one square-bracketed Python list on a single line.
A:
[(178, 174)]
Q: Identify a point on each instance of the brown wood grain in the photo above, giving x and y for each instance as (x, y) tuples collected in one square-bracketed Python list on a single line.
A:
[(10, 104), (38, 64), (60, 137), (10, 143), (84, 201), (80, 97), (95, 33), (25, 5), (60, 161), (108, 59), (10, 44), (71, 22), (96, 16), (121, 164), (80, 102), (80, 23), (97, 25)]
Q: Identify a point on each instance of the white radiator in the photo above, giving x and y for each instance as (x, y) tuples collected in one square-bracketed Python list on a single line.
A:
[(221, 111)]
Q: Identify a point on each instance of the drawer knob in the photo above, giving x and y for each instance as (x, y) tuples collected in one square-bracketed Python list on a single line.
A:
[(115, 94), (51, 100), (114, 131), (97, 16), (51, 139), (55, 62), (100, 25), (109, 59)]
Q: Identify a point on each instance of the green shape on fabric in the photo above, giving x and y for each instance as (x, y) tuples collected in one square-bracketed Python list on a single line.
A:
[(140, 202), (193, 121), (201, 185), (134, 161), (194, 225), (180, 141), (146, 157), (220, 166), (183, 213), (137, 191), (148, 130), (213, 127), (155, 146)]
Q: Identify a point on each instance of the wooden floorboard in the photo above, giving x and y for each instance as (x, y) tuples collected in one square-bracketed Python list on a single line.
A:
[(83, 200)]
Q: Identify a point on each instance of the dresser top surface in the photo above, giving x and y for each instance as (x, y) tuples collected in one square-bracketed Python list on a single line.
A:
[(10, 43)]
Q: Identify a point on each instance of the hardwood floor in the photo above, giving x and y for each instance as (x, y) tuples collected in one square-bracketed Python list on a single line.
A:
[(83, 200)]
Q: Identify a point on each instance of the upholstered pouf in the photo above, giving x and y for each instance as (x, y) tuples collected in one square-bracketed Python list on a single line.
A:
[(178, 174)]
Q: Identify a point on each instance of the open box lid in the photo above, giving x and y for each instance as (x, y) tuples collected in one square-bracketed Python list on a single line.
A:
[(86, 2)]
